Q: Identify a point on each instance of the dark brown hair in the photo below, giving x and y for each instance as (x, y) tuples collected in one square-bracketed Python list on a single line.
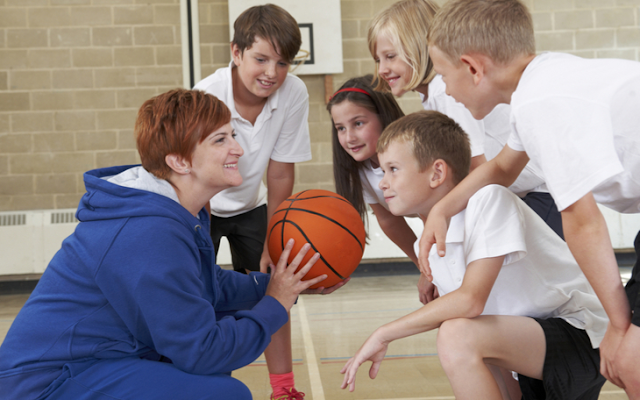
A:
[(346, 170), (269, 22), (174, 123), (432, 135)]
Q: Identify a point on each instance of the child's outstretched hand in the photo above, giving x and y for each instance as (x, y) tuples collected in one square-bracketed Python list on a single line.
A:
[(374, 350), (323, 290), (435, 232), (286, 284)]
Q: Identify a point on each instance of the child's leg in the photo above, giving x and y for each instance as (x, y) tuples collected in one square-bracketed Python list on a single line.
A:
[(464, 345), (278, 353), (246, 239), (508, 385), (549, 350)]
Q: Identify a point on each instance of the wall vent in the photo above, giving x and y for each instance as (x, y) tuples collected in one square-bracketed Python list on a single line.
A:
[(68, 217), (13, 219)]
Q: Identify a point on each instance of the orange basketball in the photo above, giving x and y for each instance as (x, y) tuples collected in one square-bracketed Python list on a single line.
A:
[(329, 223)]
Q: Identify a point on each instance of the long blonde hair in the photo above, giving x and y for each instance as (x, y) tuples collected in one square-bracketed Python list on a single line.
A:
[(406, 24)]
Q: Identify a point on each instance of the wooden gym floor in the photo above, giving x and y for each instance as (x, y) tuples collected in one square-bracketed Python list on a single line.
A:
[(327, 330)]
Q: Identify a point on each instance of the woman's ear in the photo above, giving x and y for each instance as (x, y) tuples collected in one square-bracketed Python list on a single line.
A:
[(439, 173), (177, 163)]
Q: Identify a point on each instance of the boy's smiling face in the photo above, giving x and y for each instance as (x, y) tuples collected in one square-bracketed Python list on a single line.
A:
[(260, 68), (406, 189)]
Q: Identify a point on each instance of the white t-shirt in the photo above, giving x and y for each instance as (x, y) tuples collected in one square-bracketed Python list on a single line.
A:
[(497, 128), (579, 120), (539, 277), (438, 100), (281, 133), (370, 178)]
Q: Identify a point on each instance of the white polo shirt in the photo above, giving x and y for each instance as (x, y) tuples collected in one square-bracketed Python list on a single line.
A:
[(579, 120), (497, 128), (281, 133), (439, 100), (370, 178), (539, 277)]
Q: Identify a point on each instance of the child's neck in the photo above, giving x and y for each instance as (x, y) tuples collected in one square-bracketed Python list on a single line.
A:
[(509, 76), (248, 105)]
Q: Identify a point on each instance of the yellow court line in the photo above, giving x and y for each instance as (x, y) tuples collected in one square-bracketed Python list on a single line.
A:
[(317, 393)]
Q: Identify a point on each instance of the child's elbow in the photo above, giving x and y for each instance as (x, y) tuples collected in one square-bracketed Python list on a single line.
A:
[(474, 305)]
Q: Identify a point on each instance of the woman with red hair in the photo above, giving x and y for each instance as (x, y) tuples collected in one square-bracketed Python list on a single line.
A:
[(133, 305)]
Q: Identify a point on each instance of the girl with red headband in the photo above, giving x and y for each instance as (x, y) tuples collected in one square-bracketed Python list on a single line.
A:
[(359, 115)]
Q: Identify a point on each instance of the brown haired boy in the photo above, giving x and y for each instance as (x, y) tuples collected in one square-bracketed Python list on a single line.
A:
[(269, 112), (577, 119), (503, 305)]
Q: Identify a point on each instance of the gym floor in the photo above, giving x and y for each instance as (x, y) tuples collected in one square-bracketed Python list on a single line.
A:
[(327, 330)]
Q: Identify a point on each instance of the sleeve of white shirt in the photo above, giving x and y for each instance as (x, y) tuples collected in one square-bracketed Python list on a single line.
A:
[(494, 226), (571, 141), (294, 143)]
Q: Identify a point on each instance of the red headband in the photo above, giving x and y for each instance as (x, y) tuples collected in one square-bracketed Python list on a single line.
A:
[(350, 89)]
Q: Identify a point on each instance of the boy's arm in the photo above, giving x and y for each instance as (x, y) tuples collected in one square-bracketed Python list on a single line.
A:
[(397, 229), (502, 170), (280, 179), (466, 302), (586, 233)]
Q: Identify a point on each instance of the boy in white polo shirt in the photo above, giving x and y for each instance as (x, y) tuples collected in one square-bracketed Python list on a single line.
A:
[(578, 120), (512, 298), (269, 112)]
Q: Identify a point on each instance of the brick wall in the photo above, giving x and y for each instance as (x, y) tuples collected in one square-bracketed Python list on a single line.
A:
[(74, 72)]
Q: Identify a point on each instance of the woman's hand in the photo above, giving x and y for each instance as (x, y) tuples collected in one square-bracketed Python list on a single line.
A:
[(374, 350), (286, 284)]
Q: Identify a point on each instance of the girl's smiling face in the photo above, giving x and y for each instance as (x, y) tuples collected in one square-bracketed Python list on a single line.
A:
[(358, 130), (391, 67)]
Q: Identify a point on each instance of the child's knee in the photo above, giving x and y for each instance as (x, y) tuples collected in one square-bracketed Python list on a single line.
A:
[(455, 342)]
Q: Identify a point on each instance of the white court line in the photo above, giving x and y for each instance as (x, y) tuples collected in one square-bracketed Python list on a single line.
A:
[(317, 393)]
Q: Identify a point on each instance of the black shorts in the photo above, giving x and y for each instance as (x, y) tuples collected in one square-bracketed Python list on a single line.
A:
[(542, 203), (246, 234), (571, 366), (633, 286)]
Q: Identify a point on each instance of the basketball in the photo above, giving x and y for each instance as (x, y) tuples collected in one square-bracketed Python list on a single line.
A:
[(329, 223)]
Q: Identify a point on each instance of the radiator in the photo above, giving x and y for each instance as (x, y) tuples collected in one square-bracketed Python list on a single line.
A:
[(29, 239)]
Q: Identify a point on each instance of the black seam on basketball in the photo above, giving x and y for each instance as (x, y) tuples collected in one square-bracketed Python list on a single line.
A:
[(323, 216), (318, 197), (286, 212), (312, 246)]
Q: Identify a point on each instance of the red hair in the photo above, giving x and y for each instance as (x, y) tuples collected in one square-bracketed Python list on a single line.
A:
[(174, 123)]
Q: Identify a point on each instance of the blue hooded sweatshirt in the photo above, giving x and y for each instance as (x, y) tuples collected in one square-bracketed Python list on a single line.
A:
[(137, 278)]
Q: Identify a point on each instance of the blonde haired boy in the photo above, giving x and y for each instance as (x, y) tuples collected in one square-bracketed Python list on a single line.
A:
[(578, 119), (512, 298)]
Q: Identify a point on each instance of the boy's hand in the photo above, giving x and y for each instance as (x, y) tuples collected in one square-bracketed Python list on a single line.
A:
[(608, 350), (427, 291), (323, 290), (374, 350), (286, 284), (435, 232)]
